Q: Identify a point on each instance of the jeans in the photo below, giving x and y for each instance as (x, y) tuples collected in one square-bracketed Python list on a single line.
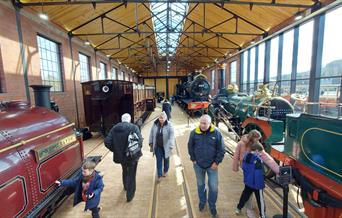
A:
[(160, 155), (213, 186), (129, 172)]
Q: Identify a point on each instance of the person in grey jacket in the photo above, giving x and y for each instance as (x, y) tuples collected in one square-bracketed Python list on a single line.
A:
[(206, 150), (161, 142)]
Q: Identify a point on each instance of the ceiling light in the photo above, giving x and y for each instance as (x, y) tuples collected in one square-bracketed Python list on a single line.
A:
[(169, 62), (108, 55), (252, 42), (87, 42), (43, 16), (298, 15)]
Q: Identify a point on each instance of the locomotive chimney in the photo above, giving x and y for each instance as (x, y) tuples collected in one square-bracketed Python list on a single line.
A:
[(42, 95)]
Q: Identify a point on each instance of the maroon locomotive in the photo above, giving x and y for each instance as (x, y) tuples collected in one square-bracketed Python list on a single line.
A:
[(37, 146)]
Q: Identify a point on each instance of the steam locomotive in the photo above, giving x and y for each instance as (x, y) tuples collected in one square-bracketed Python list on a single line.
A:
[(313, 148), (37, 147), (106, 100), (241, 113), (193, 93)]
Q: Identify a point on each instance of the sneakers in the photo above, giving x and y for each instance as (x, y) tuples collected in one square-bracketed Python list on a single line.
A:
[(159, 179), (201, 207), (237, 211), (213, 212), (164, 174)]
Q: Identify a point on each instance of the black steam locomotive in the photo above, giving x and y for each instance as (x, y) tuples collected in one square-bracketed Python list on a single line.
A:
[(193, 93)]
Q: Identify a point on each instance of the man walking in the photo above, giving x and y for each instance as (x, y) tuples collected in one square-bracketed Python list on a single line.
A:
[(206, 150), (117, 142)]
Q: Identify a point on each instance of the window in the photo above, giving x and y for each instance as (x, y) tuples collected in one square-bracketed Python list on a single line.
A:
[(213, 79), (50, 63), (233, 72), (286, 67), (331, 72), (103, 69), (84, 67), (252, 70), (120, 76), (245, 71), (261, 63), (113, 73), (304, 50), (167, 19), (2, 74), (274, 59)]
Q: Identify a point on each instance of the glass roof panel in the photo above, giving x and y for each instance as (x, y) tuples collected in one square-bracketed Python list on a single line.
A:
[(168, 23)]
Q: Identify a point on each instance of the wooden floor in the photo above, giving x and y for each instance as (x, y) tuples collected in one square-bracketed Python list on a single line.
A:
[(175, 195)]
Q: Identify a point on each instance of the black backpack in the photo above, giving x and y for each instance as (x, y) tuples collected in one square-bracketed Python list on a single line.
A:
[(133, 151)]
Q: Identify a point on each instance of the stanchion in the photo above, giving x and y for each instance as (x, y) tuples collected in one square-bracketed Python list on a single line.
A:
[(285, 177)]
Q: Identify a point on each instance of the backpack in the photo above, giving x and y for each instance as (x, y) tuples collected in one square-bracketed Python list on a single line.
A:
[(133, 151), (253, 172)]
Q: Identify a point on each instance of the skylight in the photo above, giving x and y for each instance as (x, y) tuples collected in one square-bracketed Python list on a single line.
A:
[(168, 25)]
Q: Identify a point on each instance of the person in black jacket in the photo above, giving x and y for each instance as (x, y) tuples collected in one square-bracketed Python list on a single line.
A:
[(206, 150), (166, 106), (117, 142)]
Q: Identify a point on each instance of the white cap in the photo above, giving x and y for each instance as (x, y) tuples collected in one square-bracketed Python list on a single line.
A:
[(126, 118)]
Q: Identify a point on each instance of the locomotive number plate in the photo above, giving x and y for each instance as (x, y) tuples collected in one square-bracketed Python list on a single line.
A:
[(42, 153)]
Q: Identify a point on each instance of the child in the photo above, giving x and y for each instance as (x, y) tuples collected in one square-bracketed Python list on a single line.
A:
[(253, 173), (88, 187)]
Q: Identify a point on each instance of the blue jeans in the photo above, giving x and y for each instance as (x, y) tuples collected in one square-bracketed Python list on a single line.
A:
[(213, 186), (160, 155)]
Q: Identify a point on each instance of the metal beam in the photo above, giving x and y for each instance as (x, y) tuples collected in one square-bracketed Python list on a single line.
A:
[(179, 32), (178, 47), (247, 21), (95, 18), (223, 2)]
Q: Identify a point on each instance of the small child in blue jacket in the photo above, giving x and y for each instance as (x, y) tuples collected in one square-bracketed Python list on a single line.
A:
[(88, 186), (253, 177)]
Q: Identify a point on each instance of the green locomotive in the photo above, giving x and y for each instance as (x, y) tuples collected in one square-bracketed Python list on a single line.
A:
[(241, 113), (313, 148)]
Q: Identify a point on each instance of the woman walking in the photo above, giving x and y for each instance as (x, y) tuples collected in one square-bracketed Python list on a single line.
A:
[(161, 142)]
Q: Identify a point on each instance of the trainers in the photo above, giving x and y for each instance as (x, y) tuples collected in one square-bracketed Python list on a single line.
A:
[(213, 212), (164, 174), (159, 179), (201, 207), (237, 211)]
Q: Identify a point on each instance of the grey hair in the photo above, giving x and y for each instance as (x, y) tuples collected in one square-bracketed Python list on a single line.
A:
[(163, 114), (126, 118), (206, 117)]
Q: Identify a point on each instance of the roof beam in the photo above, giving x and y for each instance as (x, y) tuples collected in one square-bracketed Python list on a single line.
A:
[(228, 2), (95, 18), (239, 17), (152, 32)]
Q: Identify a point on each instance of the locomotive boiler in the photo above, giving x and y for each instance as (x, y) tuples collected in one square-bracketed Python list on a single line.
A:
[(37, 147), (241, 113), (193, 95)]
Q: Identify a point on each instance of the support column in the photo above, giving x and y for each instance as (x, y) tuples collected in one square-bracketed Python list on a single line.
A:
[(73, 71), (22, 50), (222, 78)]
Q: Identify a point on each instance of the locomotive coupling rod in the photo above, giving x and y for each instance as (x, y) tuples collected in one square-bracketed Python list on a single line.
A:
[(23, 142)]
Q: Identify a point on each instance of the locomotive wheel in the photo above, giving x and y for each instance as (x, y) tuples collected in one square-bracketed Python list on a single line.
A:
[(267, 171)]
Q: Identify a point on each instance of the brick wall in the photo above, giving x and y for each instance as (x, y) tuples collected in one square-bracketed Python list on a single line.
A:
[(11, 69)]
